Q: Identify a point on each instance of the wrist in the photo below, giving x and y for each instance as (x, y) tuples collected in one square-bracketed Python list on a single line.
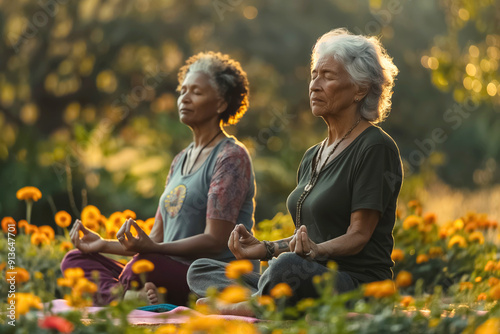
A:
[(270, 249)]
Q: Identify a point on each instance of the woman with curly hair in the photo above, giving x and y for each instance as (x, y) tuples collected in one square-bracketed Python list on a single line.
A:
[(210, 188)]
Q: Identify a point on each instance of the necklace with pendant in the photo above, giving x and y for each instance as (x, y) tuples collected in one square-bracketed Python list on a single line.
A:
[(198, 155), (315, 173)]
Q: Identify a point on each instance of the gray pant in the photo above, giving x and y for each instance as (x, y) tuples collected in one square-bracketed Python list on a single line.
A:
[(288, 268)]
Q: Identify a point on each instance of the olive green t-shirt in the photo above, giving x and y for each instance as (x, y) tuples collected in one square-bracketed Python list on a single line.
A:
[(365, 175)]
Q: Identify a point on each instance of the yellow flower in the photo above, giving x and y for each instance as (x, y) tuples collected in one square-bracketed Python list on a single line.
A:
[(61, 281), (24, 302), (30, 229), (116, 219), (63, 219), (22, 223), (281, 290), (490, 326), (29, 194), (237, 268), (412, 221), (142, 266), (457, 240), (458, 224), (435, 252), (305, 304), (129, 214), (404, 279), (407, 301), (48, 231), (397, 255), (66, 246), (234, 294), (492, 281), (83, 285), (167, 329), (6, 222), (74, 273), (38, 238), (476, 236), (267, 301), (478, 279), (90, 213), (422, 258)]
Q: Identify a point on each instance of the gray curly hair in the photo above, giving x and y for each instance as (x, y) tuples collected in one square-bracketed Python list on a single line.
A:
[(368, 65)]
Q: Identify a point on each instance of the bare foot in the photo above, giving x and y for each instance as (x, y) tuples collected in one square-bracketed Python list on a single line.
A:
[(242, 309), (151, 293)]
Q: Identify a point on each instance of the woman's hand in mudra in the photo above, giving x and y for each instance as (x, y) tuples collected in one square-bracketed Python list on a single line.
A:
[(244, 245), (90, 242), (302, 245), (142, 243)]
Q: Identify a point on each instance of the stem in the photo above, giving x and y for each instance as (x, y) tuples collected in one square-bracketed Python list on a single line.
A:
[(29, 206)]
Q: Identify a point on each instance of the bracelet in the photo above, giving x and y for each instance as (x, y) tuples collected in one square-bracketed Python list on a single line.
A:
[(269, 250)]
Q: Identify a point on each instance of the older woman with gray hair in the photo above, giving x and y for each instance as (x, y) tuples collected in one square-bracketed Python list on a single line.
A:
[(344, 205), (210, 188)]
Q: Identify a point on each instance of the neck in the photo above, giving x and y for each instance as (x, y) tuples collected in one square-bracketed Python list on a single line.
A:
[(339, 126), (202, 135)]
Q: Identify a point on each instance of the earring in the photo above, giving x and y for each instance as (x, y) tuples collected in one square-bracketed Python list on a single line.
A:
[(356, 99)]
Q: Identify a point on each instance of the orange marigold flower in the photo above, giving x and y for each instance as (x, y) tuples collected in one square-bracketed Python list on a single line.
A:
[(90, 213), (422, 258), (478, 279), (476, 236), (9, 222), (435, 252), (66, 246), (490, 326), (74, 273), (24, 302), (397, 255), (91, 225), (470, 226), (490, 266), (39, 238), (482, 296), (129, 214), (235, 269), (61, 325), (234, 294), (22, 223), (495, 292), (63, 219), (2, 266), (443, 233), (380, 289), (411, 221), (407, 301), (29, 194), (430, 218), (21, 275), (48, 231), (457, 240), (466, 286), (111, 231), (265, 300), (116, 219), (30, 229), (83, 285), (458, 224), (281, 290), (493, 224), (413, 204), (404, 279), (492, 281), (142, 266)]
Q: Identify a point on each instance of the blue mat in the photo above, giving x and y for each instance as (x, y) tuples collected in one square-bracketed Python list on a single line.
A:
[(158, 308)]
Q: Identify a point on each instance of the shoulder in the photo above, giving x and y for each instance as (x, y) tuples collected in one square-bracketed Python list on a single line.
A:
[(375, 137), (233, 149)]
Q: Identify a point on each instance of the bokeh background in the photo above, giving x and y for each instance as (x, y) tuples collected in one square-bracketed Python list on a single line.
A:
[(88, 96)]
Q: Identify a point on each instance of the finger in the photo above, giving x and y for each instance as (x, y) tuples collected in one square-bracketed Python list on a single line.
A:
[(73, 227), (292, 244), (230, 240), (242, 230), (140, 231), (306, 248), (236, 244), (298, 245), (82, 228)]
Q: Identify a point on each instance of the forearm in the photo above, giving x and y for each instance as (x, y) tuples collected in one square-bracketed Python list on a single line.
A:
[(197, 246), (114, 247), (345, 245)]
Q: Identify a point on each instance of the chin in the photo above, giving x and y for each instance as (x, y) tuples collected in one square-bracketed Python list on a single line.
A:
[(317, 112)]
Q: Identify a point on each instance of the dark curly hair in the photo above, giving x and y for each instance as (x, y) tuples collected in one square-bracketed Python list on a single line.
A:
[(228, 78)]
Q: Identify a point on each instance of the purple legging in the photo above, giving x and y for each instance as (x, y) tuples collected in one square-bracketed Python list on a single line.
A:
[(167, 273)]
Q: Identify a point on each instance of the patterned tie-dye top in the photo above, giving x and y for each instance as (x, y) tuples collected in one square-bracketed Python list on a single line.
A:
[(222, 188)]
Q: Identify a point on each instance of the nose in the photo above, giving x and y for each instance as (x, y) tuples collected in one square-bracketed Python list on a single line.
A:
[(184, 98), (313, 85)]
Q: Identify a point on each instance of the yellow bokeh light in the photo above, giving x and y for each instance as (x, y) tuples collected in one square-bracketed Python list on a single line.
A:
[(29, 113), (477, 85), (250, 12), (433, 63), (468, 83), (72, 112), (491, 89), (471, 69), (474, 51), (485, 65), (424, 61), (106, 81), (493, 52), (463, 14)]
